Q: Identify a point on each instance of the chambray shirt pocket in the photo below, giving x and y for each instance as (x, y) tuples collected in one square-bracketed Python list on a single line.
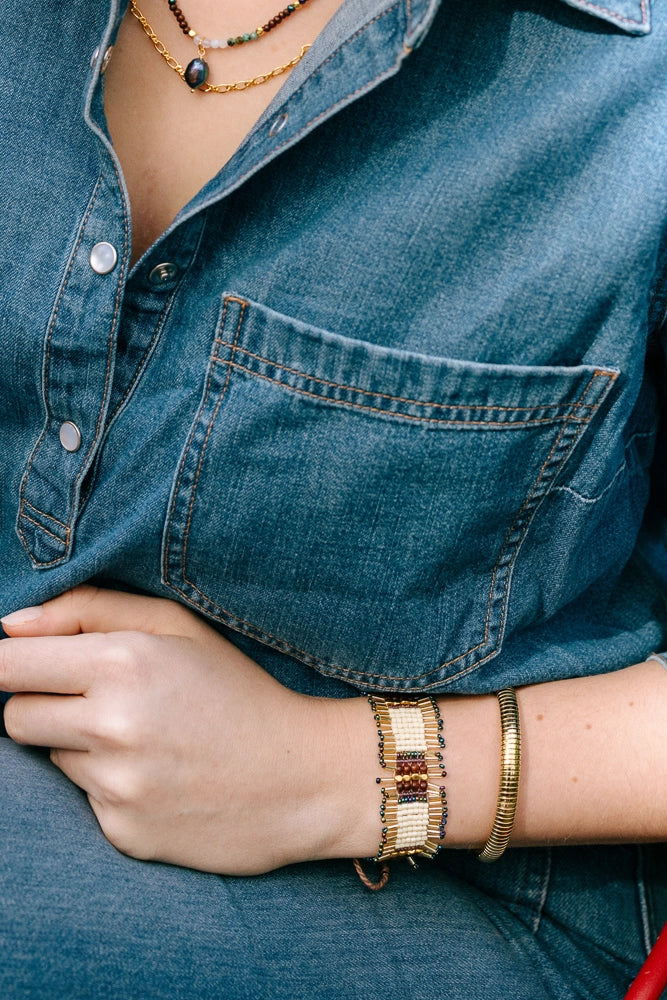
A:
[(362, 508)]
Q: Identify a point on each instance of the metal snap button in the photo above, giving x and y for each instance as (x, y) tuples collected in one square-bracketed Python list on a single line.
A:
[(278, 125), (70, 436), (105, 60), (103, 258), (162, 274)]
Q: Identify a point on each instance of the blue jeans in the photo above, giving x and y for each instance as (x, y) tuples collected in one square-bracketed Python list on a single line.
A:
[(80, 920)]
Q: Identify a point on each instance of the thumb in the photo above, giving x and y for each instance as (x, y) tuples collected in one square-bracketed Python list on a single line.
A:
[(93, 609)]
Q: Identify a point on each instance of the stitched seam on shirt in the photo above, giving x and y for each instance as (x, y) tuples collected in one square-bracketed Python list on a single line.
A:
[(204, 446), (112, 330), (352, 93), (46, 531), (191, 438), (47, 360), (525, 504), (276, 640), (159, 327), (140, 368), (507, 425), (363, 677), (397, 399), (617, 17), (42, 513)]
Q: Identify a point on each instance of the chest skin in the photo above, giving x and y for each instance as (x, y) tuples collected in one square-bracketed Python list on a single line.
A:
[(170, 141)]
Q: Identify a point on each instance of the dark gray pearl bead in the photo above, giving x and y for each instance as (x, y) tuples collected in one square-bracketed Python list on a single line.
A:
[(196, 73)]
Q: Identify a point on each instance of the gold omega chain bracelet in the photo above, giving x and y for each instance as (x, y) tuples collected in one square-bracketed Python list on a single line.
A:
[(510, 768)]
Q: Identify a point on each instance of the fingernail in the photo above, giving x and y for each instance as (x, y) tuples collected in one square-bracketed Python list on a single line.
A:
[(22, 617)]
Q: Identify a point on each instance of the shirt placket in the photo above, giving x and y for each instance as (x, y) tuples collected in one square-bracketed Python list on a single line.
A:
[(78, 360)]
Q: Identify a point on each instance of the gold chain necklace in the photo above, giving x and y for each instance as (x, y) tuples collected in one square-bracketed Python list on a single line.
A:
[(207, 88)]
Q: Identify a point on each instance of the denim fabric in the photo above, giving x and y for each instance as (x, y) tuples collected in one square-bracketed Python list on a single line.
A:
[(389, 416), (390, 411), (79, 921)]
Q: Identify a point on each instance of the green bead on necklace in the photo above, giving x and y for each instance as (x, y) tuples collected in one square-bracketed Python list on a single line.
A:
[(196, 72)]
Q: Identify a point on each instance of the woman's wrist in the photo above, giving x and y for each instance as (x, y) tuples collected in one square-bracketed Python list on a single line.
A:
[(472, 731), (324, 759), (351, 798), (575, 785)]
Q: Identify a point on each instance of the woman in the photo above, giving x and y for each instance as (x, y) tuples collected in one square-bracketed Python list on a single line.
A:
[(346, 378)]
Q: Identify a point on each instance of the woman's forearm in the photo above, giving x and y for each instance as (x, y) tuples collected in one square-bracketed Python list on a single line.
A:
[(191, 753), (594, 763), (595, 767)]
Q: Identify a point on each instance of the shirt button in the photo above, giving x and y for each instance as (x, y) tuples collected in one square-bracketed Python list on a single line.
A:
[(105, 60), (162, 274), (70, 436), (103, 258), (278, 125)]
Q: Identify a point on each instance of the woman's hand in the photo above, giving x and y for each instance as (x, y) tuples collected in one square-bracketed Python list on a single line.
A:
[(189, 752)]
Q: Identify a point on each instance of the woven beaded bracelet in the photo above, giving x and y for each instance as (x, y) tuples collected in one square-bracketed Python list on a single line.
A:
[(414, 800)]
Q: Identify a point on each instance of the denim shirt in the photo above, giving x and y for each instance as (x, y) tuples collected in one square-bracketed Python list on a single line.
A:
[(382, 402)]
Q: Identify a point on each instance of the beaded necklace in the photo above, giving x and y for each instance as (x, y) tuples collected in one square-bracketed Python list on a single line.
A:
[(196, 72), (250, 36)]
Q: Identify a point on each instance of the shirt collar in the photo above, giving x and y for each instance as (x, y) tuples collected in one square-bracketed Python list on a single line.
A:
[(633, 16)]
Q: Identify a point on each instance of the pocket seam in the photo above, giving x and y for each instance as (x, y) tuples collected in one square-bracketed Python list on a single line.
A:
[(525, 507), (566, 416), (573, 424), (186, 452)]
